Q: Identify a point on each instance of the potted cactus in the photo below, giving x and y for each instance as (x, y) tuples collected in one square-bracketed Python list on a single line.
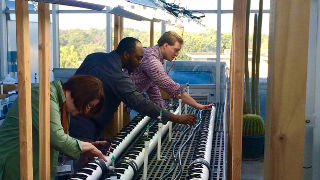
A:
[(253, 126), (253, 137)]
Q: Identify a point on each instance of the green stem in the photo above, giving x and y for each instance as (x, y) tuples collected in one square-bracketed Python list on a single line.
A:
[(258, 57), (247, 101), (253, 72)]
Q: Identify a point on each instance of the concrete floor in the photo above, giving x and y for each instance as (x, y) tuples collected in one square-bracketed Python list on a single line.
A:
[(252, 170)]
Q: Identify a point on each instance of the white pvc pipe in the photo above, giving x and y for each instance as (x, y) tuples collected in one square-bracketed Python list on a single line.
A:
[(207, 156), (129, 173), (127, 140), (145, 164), (170, 131), (180, 106), (170, 128), (159, 141), (185, 108)]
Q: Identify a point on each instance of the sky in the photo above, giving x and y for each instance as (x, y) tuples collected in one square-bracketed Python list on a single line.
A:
[(86, 21)]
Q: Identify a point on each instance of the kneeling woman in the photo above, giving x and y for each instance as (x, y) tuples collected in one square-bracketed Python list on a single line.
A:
[(79, 95)]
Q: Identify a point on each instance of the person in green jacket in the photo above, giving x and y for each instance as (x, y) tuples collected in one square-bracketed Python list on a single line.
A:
[(81, 94)]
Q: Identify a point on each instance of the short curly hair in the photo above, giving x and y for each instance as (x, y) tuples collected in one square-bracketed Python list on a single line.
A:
[(127, 44)]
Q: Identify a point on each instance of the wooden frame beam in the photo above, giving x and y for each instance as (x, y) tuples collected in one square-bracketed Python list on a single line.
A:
[(24, 88), (286, 94), (237, 89), (44, 91), (117, 122), (118, 30), (151, 33)]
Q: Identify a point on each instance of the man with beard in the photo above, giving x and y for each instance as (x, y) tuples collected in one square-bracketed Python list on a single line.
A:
[(109, 68)]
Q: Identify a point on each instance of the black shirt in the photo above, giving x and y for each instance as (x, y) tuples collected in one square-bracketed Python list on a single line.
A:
[(117, 87)]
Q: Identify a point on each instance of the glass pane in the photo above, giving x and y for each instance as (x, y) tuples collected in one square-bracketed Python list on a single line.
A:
[(255, 4), (198, 39), (196, 5), (34, 50), (80, 35), (226, 40), (141, 30), (228, 4)]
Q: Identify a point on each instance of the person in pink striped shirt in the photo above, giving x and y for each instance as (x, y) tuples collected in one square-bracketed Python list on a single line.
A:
[(150, 75)]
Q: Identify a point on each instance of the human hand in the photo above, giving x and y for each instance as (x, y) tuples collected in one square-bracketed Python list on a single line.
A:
[(206, 107), (89, 151), (103, 146), (190, 119)]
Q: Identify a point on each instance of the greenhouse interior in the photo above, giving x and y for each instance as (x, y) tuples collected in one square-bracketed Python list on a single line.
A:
[(159, 89)]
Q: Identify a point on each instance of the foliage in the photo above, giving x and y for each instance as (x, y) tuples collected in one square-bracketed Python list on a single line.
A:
[(68, 57), (226, 40), (84, 42), (76, 44), (253, 125), (86, 49), (198, 42)]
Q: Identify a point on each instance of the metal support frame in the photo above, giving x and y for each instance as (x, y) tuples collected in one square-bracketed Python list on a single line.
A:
[(217, 95), (163, 27), (3, 40), (109, 30), (313, 97), (55, 21), (55, 40), (163, 30)]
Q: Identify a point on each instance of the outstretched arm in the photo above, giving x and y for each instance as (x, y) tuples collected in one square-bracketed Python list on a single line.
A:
[(186, 98)]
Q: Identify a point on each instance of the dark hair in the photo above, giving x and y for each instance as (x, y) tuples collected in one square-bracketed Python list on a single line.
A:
[(170, 37), (127, 44), (84, 89)]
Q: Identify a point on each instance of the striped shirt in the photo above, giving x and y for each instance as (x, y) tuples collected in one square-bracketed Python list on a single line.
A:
[(150, 76)]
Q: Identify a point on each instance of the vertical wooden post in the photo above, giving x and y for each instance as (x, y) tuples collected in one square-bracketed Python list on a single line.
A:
[(285, 117), (237, 88), (120, 28), (44, 91), (230, 133), (24, 88), (120, 108), (116, 38), (118, 34), (151, 33), (115, 125)]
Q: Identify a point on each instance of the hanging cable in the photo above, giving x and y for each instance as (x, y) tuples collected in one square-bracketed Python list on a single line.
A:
[(190, 136), (174, 154)]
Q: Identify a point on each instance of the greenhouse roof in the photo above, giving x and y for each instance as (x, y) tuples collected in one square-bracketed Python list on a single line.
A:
[(149, 3)]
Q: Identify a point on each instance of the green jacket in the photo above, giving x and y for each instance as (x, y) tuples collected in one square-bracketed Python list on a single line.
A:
[(9, 136)]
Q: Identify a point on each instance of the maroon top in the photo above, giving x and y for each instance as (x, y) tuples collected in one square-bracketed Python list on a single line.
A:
[(150, 76)]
